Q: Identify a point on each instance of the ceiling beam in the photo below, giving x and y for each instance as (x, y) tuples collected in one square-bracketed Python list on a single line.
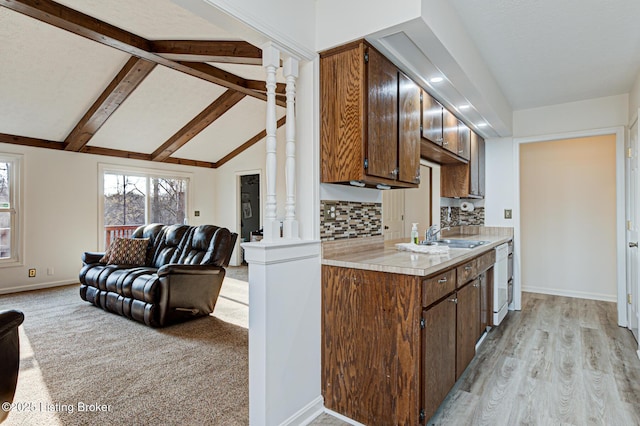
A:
[(83, 25), (239, 150), (96, 150), (227, 51), (124, 83), (214, 111), (26, 141)]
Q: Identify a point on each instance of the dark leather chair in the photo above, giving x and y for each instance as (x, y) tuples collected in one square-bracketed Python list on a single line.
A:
[(9, 356)]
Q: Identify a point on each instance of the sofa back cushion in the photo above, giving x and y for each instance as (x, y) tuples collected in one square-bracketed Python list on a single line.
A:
[(208, 245), (170, 245), (153, 232)]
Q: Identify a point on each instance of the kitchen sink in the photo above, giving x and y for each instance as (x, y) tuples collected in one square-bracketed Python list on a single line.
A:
[(455, 243)]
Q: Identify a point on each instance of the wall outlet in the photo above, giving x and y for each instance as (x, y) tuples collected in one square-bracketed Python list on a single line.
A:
[(32, 273), (196, 213), (50, 270), (330, 212), (507, 213)]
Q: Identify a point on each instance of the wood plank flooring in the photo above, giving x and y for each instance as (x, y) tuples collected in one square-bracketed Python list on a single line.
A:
[(559, 361)]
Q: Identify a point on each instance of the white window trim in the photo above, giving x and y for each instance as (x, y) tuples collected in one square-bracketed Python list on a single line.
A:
[(147, 172), (17, 234)]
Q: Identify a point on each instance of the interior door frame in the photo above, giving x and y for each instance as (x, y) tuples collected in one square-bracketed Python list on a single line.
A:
[(237, 256), (621, 274)]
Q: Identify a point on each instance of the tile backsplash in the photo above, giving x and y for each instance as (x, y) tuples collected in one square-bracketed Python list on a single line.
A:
[(459, 217), (352, 220)]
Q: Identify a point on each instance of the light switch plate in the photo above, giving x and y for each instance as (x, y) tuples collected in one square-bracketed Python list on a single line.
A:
[(507, 213)]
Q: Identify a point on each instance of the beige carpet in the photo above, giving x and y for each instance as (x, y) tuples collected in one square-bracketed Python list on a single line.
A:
[(76, 358)]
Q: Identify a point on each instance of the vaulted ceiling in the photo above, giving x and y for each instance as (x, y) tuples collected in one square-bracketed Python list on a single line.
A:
[(140, 79)]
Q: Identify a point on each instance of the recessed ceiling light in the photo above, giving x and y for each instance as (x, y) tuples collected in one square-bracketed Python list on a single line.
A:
[(482, 124), (436, 79), (464, 106)]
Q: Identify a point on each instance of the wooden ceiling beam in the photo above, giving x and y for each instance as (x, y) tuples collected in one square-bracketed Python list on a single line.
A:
[(27, 141), (124, 83), (83, 25), (96, 150), (226, 51), (239, 150), (214, 111)]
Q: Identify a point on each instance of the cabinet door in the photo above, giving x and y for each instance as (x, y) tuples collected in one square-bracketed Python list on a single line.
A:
[(449, 131), (467, 324), (409, 131), (382, 135), (464, 134), (481, 166), (474, 183), (438, 354), (431, 119)]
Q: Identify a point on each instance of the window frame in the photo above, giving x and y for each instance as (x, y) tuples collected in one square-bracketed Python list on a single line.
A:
[(16, 183), (147, 173)]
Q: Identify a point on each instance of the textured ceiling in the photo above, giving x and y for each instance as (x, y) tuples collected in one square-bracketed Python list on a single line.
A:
[(545, 52)]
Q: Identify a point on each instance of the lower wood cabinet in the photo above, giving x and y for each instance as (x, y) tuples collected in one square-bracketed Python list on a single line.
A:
[(394, 345), (467, 324), (438, 353)]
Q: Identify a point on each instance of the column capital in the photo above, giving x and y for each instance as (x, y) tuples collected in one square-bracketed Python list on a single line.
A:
[(290, 67), (270, 55)]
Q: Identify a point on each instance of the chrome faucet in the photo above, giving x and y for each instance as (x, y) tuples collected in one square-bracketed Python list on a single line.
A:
[(431, 233)]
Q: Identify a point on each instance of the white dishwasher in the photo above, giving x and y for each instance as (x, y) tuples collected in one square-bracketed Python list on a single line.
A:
[(500, 284)]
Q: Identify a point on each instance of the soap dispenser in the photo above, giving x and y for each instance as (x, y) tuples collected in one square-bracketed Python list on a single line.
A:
[(414, 233)]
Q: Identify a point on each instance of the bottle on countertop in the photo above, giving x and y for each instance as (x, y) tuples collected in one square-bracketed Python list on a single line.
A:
[(414, 233)]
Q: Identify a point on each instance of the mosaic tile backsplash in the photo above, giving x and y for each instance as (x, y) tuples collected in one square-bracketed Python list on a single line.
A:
[(459, 217), (352, 220)]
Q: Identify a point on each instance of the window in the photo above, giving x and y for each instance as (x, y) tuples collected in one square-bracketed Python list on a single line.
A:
[(134, 197), (9, 208)]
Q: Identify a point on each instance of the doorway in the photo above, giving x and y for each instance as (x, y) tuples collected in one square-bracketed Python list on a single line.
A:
[(568, 217), (249, 207)]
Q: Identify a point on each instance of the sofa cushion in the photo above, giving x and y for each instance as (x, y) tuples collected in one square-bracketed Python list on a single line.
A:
[(128, 251)]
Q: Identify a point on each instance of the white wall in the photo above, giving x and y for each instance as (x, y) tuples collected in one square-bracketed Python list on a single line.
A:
[(499, 181), (634, 101), (60, 208), (358, 18)]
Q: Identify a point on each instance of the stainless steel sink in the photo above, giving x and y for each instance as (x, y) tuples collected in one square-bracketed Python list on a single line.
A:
[(455, 243)]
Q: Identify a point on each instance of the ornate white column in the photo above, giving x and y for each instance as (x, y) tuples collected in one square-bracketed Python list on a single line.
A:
[(290, 223), (271, 63)]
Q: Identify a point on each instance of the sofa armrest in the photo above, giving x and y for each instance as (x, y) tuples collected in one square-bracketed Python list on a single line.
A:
[(89, 257), (175, 268), (9, 321)]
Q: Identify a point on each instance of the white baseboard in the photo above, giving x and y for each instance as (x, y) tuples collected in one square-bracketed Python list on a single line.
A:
[(38, 286), (343, 418), (306, 414), (571, 293)]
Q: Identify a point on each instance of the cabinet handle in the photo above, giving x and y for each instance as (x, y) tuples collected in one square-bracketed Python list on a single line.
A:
[(454, 300), (445, 143), (442, 280), (467, 268), (476, 285), (439, 140)]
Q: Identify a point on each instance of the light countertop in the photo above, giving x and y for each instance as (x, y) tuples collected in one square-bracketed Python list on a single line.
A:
[(385, 257)]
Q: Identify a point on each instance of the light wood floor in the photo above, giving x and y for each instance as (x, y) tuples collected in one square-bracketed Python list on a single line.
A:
[(558, 361)]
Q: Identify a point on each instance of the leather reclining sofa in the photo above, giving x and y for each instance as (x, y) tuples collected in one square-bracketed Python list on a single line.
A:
[(180, 279)]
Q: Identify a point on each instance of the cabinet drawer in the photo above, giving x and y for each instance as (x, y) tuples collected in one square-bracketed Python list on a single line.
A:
[(467, 272), (486, 261), (437, 287)]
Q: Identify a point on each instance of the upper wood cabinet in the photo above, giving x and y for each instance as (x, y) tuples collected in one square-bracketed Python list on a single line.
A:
[(464, 135), (465, 180), (370, 119), (409, 130), (431, 128), (449, 131)]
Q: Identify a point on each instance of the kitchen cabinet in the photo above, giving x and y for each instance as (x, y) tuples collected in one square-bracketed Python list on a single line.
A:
[(466, 180), (449, 131), (464, 140), (438, 353), (370, 119), (467, 324), (393, 345), (431, 128)]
